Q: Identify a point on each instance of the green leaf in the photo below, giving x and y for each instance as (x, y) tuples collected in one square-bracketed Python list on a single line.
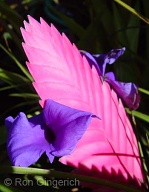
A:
[(13, 79), (64, 175), (7, 87), (5, 188), (119, 23), (144, 91), (96, 37), (139, 115), (12, 16), (133, 29), (75, 27), (133, 11), (10, 33), (26, 95), (145, 9), (23, 69), (103, 13)]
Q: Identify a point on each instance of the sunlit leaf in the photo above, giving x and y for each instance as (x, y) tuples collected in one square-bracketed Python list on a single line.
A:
[(144, 91), (12, 16), (5, 188), (133, 11), (13, 79), (7, 87), (26, 95), (64, 175), (23, 69), (139, 115)]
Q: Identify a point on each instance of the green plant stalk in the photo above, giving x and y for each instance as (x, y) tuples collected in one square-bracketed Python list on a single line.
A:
[(26, 95), (144, 91), (138, 114), (64, 175), (4, 188), (145, 170), (6, 88), (23, 69), (133, 11)]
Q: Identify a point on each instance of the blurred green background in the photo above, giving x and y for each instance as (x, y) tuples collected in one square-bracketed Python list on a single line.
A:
[(96, 26)]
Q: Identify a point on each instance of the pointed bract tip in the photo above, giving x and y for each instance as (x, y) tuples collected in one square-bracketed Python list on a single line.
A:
[(30, 18), (25, 23)]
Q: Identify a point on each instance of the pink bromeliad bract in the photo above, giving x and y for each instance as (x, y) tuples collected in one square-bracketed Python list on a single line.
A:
[(82, 121)]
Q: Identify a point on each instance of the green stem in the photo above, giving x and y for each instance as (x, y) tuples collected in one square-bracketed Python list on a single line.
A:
[(59, 174), (144, 91), (145, 170), (23, 69), (133, 11)]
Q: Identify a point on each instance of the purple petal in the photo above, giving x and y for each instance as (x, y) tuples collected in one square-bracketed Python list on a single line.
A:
[(101, 60), (128, 92), (55, 131), (67, 124), (91, 60), (108, 58), (111, 76), (26, 140)]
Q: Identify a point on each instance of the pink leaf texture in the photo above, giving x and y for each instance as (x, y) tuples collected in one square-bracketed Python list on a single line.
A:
[(109, 147)]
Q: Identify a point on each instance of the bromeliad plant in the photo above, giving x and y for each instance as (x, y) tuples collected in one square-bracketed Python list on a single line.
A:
[(83, 121)]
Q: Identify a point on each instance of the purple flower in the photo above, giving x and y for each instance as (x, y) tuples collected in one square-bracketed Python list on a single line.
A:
[(128, 92), (55, 131)]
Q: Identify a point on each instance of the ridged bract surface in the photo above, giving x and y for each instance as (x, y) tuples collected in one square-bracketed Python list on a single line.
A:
[(62, 74)]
